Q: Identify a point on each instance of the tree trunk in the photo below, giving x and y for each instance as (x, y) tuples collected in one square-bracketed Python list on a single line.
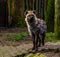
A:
[(45, 4), (49, 16), (57, 19), (9, 10)]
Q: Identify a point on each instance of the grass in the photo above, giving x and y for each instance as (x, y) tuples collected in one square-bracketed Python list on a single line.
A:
[(20, 36), (26, 42), (1, 35), (50, 37), (49, 34), (17, 37)]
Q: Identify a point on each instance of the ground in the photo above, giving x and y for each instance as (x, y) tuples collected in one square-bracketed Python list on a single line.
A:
[(10, 48)]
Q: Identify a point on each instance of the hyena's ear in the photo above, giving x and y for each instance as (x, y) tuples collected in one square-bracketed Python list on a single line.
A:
[(34, 12), (25, 12)]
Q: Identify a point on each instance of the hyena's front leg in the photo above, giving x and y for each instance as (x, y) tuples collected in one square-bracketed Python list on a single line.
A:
[(33, 39), (36, 42)]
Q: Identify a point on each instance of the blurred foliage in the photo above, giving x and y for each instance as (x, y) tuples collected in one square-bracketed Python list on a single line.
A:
[(17, 13), (49, 16), (18, 22)]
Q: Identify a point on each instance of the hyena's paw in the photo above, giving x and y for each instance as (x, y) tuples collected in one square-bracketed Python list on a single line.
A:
[(43, 44), (39, 45), (36, 49), (33, 48)]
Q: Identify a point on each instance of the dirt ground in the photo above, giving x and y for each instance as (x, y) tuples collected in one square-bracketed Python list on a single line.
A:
[(12, 30), (49, 50)]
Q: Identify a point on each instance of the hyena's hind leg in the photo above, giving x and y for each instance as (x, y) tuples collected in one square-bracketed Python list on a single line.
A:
[(39, 40), (43, 39)]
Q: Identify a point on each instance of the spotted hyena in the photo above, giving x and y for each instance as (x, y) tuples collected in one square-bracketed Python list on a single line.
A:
[(36, 27)]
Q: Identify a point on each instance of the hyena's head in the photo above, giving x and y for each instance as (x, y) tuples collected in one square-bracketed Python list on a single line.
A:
[(30, 16)]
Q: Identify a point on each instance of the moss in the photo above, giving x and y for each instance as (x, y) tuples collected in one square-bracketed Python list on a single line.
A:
[(35, 55)]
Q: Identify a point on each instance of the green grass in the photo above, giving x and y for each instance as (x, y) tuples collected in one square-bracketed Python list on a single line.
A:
[(1, 35), (17, 37), (26, 42), (50, 34), (50, 37)]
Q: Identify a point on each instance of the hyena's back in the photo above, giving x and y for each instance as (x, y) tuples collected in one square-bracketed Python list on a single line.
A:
[(42, 25)]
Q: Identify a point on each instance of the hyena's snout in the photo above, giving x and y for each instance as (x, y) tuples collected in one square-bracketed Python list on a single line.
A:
[(31, 18)]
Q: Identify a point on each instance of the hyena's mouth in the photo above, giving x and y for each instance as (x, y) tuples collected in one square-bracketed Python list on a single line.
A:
[(31, 19)]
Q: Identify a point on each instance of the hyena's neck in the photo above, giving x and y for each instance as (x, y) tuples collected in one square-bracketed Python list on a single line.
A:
[(34, 24), (31, 24)]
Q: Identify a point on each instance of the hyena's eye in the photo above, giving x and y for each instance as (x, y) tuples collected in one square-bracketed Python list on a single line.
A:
[(25, 12), (34, 12)]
